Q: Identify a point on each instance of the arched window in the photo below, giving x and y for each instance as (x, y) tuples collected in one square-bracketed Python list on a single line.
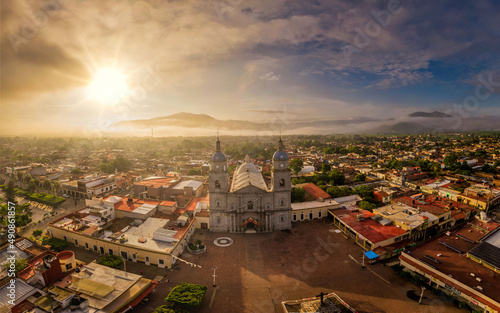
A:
[(282, 218), (282, 182), (231, 207), (250, 205), (218, 219), (217, 184), (268, 206), (217, 203), (282, 202)]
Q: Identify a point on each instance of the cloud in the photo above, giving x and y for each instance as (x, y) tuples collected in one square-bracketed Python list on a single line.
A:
[(270, 76)]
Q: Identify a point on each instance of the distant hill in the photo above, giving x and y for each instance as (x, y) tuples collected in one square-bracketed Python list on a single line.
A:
[(435, 114), (400, 128), (190, 120)]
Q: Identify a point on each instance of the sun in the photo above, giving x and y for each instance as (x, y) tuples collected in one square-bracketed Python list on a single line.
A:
[(108, 86)]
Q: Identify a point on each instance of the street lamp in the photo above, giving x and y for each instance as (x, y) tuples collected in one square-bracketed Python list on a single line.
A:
[(214, 268), (421, 295)]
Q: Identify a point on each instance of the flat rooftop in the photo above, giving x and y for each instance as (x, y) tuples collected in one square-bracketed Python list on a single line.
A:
[(101, 284), (314, 204), (455, 264), (122, 203)]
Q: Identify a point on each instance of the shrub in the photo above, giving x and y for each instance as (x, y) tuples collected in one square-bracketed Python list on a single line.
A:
[(37, 232), (20, 264), (464, 306), (163, 309), (189, 294), (113, 261), (45, 198), (56, 244)]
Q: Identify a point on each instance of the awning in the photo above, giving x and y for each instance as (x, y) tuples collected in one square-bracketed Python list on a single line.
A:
[(371, 255)]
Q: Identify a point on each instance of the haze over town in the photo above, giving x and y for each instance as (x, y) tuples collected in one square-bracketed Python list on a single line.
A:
[(193, 156)]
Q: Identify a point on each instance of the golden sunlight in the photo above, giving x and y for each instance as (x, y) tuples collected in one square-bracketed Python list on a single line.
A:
[(108, 86)]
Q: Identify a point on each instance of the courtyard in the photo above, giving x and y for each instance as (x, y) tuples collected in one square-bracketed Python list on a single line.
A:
[(258, 271)]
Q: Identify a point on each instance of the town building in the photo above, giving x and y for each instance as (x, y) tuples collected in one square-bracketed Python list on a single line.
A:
[(462, 263), (247, 202), (135, 229)]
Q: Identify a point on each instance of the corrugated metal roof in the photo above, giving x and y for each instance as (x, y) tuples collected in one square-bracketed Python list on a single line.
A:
[(22, 289)]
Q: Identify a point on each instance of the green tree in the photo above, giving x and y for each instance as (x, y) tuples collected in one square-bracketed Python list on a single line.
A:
[(32, 186), (360, 178), (10, 192), (298, 194), (365, 205), (19, 176), (37, 232), (187, 294), (47, 185), (451, 161), (37, 183), (56, 244), (113, 261), (57, 187), (27, 178), (337, 192), (20, 264), (194, 171), (163, 309), (75, 171), (326, 167), (336, 177), (363, 191), (296, 165)]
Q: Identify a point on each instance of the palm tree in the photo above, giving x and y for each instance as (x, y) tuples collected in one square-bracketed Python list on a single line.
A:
[(57, 187), (37, 183), (47, 185)]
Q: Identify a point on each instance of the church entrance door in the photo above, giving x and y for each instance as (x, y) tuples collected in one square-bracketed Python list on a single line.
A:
[(250, 225)]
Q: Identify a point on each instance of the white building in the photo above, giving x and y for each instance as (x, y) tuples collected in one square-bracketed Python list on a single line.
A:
[(249, 203)]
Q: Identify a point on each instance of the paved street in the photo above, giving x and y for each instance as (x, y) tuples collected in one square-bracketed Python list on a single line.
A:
[(259, 271)]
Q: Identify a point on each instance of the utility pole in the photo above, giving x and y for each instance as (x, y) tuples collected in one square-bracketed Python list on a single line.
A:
[(214, 268)]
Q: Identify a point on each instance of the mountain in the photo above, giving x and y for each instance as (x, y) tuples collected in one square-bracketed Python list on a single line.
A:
[(189, 120), (400, 128), (435, 114)]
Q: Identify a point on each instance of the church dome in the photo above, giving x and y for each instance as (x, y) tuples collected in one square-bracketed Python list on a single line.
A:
[(218, 156), (280, 155), (248, 174)]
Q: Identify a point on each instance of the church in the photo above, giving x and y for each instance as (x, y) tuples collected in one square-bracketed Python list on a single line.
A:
[(247, 203)]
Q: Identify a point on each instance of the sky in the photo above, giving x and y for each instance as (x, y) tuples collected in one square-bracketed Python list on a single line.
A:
[(356, 64)]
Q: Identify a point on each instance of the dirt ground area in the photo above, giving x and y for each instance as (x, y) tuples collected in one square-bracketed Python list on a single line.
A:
[(259, 271)]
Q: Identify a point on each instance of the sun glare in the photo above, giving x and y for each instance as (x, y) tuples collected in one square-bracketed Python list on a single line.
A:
[(108, 86)]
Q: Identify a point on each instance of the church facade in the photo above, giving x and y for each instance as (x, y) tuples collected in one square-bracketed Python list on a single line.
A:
[(246, 202)]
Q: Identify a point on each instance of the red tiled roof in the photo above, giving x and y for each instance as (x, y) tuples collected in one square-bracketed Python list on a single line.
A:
[(315, 191), (382, 193), (368, 228), (158, 182), (191, 206)]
